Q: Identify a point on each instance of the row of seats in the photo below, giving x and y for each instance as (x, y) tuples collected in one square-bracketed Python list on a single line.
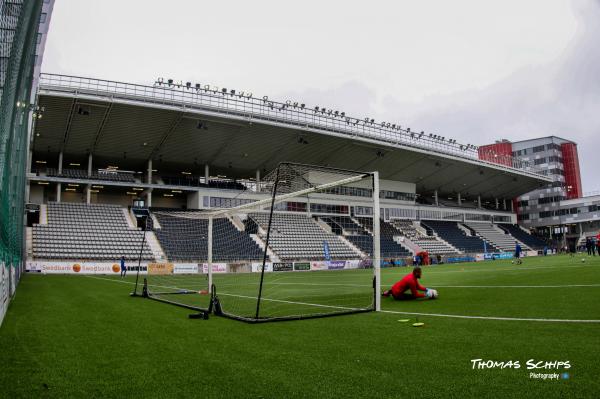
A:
[(87, 232), (499, 238), (389, 248), (310, 239), (96, 175), (432, 244), (450, 232), (531, 241), (193, 181), (184, 237)]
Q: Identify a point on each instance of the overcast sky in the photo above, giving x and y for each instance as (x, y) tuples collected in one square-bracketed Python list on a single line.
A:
[(473, 70)]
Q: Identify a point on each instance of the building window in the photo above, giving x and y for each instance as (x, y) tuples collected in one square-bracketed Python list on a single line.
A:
[(396, 195), (291, 206), (539, 148), (539, 161), (326, 208), (43, 18), (363, 211), (217, 202)]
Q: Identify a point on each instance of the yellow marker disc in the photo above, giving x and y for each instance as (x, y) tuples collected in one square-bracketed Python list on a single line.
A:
[(418, 324), (404, 320)]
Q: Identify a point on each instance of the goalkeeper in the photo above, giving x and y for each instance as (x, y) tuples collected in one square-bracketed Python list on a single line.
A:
[(410, 282)]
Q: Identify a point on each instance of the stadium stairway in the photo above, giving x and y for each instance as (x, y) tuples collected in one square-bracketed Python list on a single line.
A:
[(518, 233), (498, 237), (417, 236), (456, 236), (390, 248)]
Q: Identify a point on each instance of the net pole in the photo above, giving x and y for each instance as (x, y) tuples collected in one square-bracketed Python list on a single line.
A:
[(262, 272), (139, 266), (210, 253), (376, 242)]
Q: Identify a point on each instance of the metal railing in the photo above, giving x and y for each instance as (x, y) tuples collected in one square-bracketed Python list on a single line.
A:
[(246, 106)]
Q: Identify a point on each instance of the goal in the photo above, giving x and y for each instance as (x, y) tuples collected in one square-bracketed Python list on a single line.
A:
[(302, 243)]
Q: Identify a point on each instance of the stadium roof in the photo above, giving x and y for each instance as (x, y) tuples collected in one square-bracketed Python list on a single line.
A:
[(182, 129)]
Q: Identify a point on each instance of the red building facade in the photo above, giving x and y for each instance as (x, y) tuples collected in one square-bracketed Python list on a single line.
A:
[(500, 153), (571, 168)]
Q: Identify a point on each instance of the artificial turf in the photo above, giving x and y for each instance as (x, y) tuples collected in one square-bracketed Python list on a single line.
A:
[(77, 336)]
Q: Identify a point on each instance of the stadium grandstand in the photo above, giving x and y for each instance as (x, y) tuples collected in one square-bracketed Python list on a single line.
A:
[(103, 147)]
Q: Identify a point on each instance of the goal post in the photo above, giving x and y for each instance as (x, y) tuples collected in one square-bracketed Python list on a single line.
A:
[(308, 248)]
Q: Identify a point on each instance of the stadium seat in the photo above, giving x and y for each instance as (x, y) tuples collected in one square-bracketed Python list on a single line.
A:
[(299, 237), (498, 237), (87, 232), (517, 232), (449, 231), (430, 243), (186, 239)]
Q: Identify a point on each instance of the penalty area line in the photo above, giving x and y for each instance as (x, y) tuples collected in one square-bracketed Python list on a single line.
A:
[(456, 316)]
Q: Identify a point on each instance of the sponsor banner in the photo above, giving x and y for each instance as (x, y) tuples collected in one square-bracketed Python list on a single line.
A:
[(257, 267), (336, 264), (326, 251), (318, 266), (160, 268), (301, 266), (283, 266), (77, 267), (498, 255), (353, 264), (185, 268), (460, 259), (216, 268)]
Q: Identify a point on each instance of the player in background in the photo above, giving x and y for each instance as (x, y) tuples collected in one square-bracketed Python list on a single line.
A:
[(123, 268), (518, 253), (410, 282)]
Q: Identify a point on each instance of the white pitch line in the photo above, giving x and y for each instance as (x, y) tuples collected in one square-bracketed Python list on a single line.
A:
[(456, 316), (516, 286)]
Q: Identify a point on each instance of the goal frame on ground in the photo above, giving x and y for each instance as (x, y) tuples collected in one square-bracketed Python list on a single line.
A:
[(213, 305)]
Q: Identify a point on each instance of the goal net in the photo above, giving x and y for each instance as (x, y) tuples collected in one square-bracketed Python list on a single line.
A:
[(302, 245)]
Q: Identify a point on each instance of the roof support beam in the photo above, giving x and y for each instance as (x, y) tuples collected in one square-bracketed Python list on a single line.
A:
[(101, 128), (167, 134), (68, 128)]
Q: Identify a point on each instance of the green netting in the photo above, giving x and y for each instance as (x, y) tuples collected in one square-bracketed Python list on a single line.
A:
[(19, 21)]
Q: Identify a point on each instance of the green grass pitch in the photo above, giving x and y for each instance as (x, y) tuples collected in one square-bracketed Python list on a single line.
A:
[(77, 336)]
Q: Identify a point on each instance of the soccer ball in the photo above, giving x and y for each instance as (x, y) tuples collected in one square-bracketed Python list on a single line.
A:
[(583, 260), (432, 294)]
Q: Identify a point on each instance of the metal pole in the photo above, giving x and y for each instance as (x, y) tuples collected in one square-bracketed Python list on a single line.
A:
[(262, 273), (376, 242), (210, 253), (137, 276)]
